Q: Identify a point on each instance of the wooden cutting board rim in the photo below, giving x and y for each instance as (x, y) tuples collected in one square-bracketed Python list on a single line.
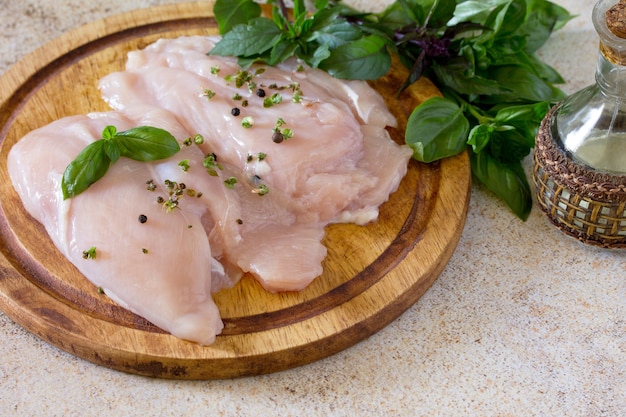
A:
[(450, 177)]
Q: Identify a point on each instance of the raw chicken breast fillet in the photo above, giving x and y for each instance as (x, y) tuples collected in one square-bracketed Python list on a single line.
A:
[(171, 284), (320, 173), (262, 211)]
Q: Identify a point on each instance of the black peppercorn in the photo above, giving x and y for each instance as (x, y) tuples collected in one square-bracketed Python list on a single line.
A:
[(260, 92), (278, 137), (235, 111), (143, 218)]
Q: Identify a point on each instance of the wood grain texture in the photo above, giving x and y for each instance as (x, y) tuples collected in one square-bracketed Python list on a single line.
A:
[(372, 274)]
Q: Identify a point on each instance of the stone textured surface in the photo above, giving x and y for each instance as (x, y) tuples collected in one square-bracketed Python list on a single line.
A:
[(523, 321)]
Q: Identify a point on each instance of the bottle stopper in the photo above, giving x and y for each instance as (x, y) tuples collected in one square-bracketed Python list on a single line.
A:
[(615, 20)]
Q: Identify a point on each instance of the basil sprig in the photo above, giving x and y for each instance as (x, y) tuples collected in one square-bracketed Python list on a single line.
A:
[(324, 39), (495, 88), (143, 143), (480, 54)]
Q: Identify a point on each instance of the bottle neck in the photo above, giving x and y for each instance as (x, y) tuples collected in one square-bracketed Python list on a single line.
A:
[(610, 76), (609, 21)]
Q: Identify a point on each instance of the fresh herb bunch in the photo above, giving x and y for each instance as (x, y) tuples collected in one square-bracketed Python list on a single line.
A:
[(480, 54), (325, 39)]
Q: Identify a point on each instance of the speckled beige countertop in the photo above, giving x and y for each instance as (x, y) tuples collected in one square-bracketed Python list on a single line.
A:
[(523, 321)]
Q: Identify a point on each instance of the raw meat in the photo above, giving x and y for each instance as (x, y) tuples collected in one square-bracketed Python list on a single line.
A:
[(340, 165), (320, 172), (171, 284)]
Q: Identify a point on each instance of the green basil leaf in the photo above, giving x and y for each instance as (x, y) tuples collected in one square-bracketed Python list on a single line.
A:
[(112, 150), (507, 181), (246, 62), (320, 53), (496, 18), (543, 18), (510, 145), (561, 15), (511, 18), (475, 11), (397, 16), (109, 132), (146, 143), (337, 34), (230, 13), (363, 59), (506, 50), (476, 59), (436, 129), (328, 29), (524, 84), (88, 167), (443, 11), (405, 13), (324, 18), (258, 36), (453, 76), (522, 113), (321, 4), (282, 50), (543, 70), (527, 61), (479, 137)]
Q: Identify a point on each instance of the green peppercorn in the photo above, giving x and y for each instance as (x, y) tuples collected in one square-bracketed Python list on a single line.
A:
[(247, 122), (150, 185), (198, 139)]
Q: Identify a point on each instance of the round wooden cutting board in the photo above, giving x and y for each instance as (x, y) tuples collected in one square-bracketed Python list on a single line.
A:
[(372, 274)]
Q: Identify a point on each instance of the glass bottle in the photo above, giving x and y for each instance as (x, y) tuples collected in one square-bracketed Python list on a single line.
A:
[(590, 125), (580, 148)]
